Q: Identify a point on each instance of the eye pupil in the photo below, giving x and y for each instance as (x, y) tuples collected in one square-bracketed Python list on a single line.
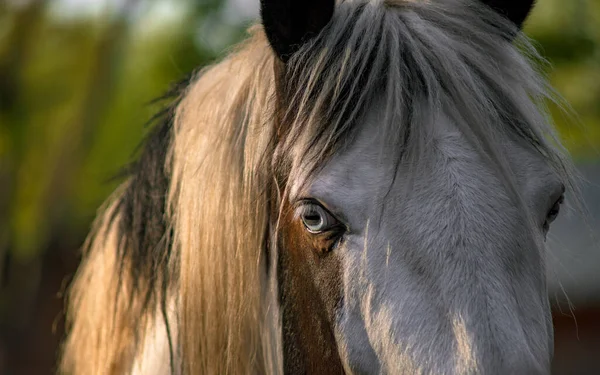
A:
[(313, 219), (316, 219)]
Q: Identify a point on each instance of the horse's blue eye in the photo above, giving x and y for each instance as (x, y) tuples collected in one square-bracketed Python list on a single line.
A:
[(316, 219)]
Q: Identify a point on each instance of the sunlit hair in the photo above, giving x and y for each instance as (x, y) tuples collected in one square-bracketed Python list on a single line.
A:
[(246, 127)]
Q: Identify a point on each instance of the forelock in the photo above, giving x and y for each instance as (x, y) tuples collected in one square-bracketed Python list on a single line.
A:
[(422, 59)]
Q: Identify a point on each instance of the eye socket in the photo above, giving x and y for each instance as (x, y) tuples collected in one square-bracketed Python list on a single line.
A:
[(553, 212), (316, 219)]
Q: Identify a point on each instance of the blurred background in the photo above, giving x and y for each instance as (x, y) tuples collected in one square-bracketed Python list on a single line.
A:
[(76, 81)]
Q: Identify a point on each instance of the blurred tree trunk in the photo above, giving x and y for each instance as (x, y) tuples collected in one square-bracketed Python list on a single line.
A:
[(25, 254), (74, 147), (14, 115)]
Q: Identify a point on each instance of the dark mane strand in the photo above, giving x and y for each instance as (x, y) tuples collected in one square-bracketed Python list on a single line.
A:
[(143, 225)]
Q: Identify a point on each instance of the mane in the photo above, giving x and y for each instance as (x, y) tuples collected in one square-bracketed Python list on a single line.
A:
[(188, 242)]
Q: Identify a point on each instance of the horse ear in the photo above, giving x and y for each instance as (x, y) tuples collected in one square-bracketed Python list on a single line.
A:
[(289, 23), (515, 10)]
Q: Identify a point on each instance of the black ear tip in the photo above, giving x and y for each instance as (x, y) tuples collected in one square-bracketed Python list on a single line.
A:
[(516, 11), (290, 23)]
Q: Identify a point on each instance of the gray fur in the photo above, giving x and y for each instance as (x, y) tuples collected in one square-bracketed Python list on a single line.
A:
[(445, 165)]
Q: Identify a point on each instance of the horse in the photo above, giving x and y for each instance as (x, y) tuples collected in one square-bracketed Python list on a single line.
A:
[(361, 186)]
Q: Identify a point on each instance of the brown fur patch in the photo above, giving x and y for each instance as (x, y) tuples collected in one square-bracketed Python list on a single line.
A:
[(310, 290)]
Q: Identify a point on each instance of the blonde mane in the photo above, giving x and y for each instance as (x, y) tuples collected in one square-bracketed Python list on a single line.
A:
[(217, 207), (213, 282), (219, 202)]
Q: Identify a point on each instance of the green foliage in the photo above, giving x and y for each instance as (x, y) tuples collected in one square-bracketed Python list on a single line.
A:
[(74, 100), (568, 35)]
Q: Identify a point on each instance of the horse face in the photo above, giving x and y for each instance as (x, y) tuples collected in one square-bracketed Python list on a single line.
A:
[(435, 270), (432, 266)]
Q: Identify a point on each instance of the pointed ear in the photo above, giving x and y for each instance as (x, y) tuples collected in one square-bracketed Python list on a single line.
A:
[(289, 23), (515, 10)]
